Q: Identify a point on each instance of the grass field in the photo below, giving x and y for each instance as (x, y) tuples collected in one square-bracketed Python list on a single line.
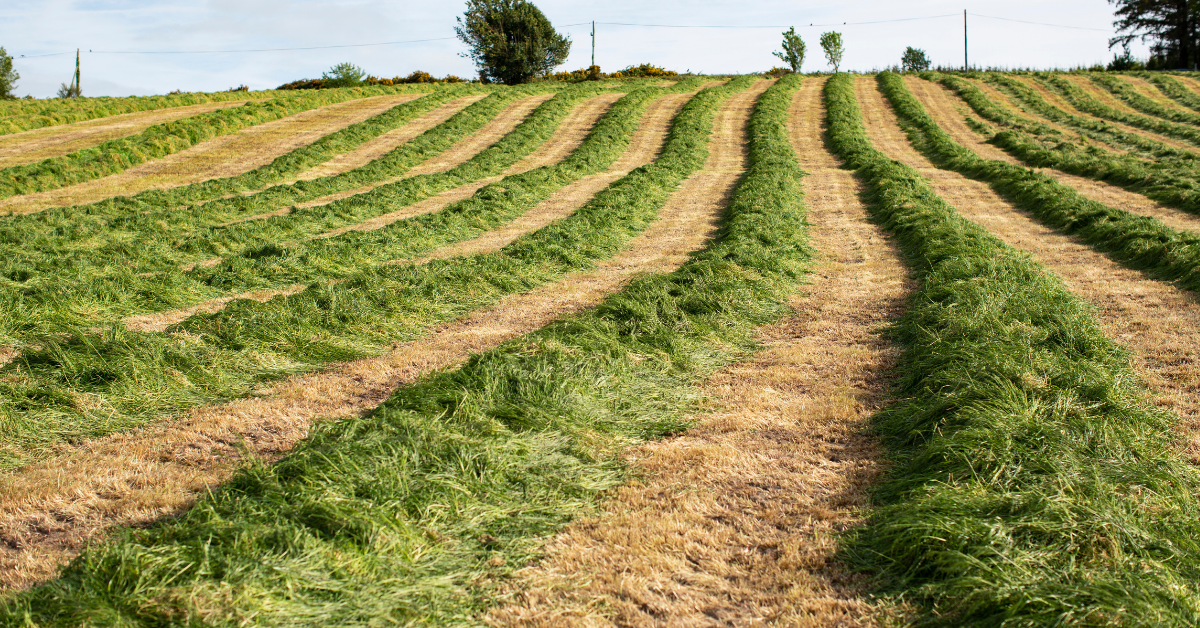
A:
[(857, 350)]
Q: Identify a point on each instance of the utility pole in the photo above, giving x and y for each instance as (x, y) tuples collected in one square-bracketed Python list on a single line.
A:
[(78, 88), (593, 42), (966, 66)]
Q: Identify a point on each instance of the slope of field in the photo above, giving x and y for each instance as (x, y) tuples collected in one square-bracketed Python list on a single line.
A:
[(829, 350)]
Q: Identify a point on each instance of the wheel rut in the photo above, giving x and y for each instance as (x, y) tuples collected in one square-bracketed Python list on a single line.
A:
[(735, 521), (52, 509), (1156, 320)]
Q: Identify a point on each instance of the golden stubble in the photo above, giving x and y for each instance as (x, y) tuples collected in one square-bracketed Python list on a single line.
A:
[(948, 111), (51, 510), (30, 146), (735, 522), (1156, 320), (224, 156)]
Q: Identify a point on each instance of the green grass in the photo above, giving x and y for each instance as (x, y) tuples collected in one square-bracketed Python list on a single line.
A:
[(411, 514), (116, 155), (21, 115), (1032, 483), (135, 377)]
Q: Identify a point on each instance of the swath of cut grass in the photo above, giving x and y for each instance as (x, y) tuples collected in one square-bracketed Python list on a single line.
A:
[(407, 514), (1033, 483)]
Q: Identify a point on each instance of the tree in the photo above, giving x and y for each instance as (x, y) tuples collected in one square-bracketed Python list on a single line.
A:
[(343, 75), (793, 50), (831, 43), (914, 60), (8, 76), (510, 41), (1169, 26)]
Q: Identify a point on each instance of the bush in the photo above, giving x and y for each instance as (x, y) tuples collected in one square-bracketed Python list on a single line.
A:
[(344, 75), (914, 60)]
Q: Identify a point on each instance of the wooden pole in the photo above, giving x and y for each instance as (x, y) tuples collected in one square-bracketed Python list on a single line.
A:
[(966, 66), (593, 42)]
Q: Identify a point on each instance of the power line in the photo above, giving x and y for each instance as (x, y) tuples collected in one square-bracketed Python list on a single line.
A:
[(903, 19), (1009, 19)]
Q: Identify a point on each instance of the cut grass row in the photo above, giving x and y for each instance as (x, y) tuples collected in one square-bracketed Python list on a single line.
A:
[(1171, 86), (1139, 242), (1033, 482), (409, 514), (17, 116), (1043, 147), (1093, 128), (1082, 101), (112, 287), (1125, 92), (164, 139), (78, 383)]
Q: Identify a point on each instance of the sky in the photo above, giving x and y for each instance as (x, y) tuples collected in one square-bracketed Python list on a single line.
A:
[(142, 47)]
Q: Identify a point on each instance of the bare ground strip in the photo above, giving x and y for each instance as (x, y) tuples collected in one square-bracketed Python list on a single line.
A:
[(30, 146), (948, 111), (223, 156), (735, 522), (50, 510), (1156, 320)]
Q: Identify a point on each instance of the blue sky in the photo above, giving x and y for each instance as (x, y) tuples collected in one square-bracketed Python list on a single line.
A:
[(173, 30)]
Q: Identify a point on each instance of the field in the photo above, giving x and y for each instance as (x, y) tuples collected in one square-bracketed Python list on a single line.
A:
[(854, 350)]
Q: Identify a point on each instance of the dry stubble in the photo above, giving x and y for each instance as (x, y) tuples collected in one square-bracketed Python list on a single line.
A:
[(50, 510), (1147, 89), (224, 156), (1159, 322), (947, 110), (735, 522)]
